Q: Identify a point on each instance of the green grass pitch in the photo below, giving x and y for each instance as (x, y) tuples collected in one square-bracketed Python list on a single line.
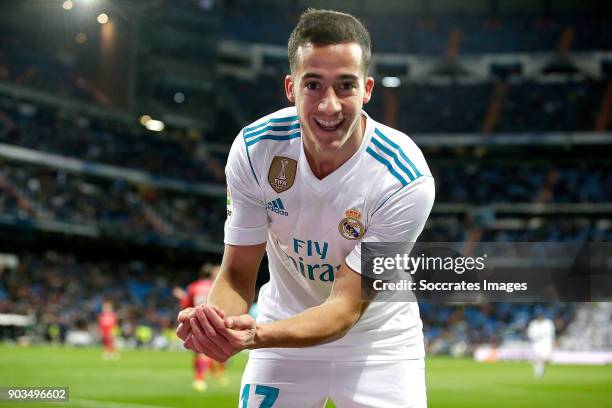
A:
[(149, 379)]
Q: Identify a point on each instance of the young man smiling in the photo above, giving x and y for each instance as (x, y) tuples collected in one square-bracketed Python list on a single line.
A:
[(308, 184)]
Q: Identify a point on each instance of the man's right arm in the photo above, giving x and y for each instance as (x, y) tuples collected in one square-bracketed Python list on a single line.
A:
[(246, 231), (234, 287)]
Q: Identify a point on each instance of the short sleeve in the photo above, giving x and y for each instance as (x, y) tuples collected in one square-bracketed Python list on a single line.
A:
[(400, 218), (247, 220)]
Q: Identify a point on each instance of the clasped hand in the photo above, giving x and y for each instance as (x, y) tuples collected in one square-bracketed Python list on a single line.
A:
[(206, 329)]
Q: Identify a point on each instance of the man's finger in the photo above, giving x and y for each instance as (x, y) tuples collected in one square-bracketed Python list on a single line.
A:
[(206, 326), (204, 344), (183, 330), (241, 322), (188, 343), (185, 314), (218, 342), (199, 334), (220, 312), (214, 319), (198, 346)]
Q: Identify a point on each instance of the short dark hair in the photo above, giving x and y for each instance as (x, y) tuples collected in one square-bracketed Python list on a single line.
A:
[(326, 27)]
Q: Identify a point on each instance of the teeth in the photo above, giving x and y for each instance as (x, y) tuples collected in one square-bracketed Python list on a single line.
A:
[(329, 124)]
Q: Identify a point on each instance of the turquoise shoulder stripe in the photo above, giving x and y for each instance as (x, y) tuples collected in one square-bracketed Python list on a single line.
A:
[(272, 137), (388, 165), (281, 120), (396, 146), (395, 159), (273, 120), (272, 128), (250, 163)]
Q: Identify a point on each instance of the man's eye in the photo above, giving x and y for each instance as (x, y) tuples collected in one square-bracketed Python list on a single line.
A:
[(312, 85), (347, 86)]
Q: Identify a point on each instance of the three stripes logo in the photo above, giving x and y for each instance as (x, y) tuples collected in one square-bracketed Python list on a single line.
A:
[(391, 155), (277, 207)]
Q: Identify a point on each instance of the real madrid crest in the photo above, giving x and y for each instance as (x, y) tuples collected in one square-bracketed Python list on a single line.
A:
[(282, 173), (350, 226)]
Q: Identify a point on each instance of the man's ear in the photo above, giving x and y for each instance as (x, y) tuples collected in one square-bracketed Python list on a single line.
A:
[(369, 86), (290, 88)]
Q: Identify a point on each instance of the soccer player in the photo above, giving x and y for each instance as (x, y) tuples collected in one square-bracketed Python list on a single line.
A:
[(307, 184), (541, 333), (107, 321), (195, 295)]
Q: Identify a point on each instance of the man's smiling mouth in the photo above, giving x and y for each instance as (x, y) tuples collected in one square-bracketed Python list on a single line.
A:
[(329, 125)]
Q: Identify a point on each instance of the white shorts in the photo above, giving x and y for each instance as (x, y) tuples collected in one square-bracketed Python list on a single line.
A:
[(272, 383), (542, 351)]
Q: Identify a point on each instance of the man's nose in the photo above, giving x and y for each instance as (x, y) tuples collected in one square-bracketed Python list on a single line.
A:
[(330, 103)]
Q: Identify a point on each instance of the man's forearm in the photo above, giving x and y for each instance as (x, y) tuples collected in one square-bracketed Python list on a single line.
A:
[(233, 300), (234, 288), (317, 325)]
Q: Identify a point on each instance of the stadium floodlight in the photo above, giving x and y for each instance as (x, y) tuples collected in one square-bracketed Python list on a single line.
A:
[(102, 18), (391, 82), (67, 5), (144, 119), (155, 125)]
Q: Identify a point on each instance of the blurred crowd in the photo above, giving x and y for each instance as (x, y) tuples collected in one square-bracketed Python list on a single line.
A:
[(524, 183), (452, 107), (458, 330), (39, 193), (64, 293), (52, 288), (25, 63), (398, 33), (172, 154)]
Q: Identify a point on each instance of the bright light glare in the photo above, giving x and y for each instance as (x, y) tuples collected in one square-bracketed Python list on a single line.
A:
[(102, 18), (391, 82), (68, 4), (155, 125), (144, 119)]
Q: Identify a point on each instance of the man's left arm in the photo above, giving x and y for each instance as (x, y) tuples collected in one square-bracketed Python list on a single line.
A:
[(321, 324), (401, 219)]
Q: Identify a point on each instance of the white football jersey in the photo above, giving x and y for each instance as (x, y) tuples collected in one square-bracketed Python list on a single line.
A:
[(541, 332), (383, 193)]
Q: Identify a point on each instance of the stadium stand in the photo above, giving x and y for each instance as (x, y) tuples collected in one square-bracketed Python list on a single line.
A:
[(528, 106), (51, 287), (114, 205), (590, 328), (447, 326), (173, 154), (495, 183), (520, 195), (397, 33)]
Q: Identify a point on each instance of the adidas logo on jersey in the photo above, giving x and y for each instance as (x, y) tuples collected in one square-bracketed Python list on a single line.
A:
[(278, 207)]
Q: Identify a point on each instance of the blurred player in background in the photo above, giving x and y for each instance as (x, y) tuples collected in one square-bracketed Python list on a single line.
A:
[(195, 295), (541, 333), (107, 322)]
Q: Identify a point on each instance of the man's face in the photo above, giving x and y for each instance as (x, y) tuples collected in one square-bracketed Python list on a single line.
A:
[(329, 89)]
